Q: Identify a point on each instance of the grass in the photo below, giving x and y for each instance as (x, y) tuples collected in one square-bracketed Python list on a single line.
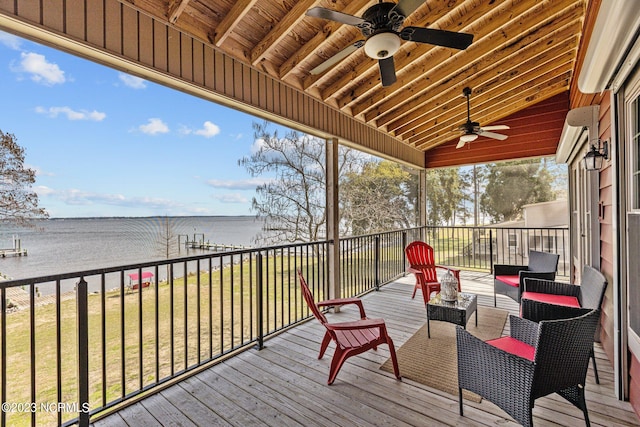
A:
[(198, 317)]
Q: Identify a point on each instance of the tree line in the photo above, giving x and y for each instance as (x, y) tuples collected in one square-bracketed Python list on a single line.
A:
[(375, 195), (379, 195)]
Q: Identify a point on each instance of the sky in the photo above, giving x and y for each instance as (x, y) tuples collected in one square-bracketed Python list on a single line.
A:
[(105, 143)]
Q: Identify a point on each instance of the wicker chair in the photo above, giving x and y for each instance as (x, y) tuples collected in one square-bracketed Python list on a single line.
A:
[(537, 359), (509, 279), (548, 300)]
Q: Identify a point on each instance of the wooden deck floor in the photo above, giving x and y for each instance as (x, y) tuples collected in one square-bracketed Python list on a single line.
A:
[(285, 383)]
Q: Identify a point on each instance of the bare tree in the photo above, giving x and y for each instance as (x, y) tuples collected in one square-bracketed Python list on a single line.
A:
[(18, 202), (293, 202), (382, 196)]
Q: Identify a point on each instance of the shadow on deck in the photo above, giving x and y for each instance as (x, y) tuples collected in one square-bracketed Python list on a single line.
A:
[(285, 384)]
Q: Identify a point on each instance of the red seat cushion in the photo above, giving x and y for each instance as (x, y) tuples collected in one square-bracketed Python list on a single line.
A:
[(509, 280), (513, 346), (564, 300)]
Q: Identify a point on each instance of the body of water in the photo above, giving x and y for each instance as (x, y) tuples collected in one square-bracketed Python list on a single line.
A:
[(74, 244)]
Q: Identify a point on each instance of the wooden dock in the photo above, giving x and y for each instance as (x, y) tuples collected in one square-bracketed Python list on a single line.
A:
[(13, 252), (16, 250), (218, 247)]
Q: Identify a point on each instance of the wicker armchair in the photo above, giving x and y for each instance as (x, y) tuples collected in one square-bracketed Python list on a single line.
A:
[(548, 300), (537, 359), (509, 279)]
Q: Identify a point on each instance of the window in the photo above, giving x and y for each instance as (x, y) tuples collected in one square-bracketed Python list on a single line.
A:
[(634, 123)]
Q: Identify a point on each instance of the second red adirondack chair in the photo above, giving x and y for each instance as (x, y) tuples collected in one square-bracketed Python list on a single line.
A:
[(422, 264)]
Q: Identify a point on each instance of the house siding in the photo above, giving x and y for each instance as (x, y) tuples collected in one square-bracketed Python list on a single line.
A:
[(605, 217)]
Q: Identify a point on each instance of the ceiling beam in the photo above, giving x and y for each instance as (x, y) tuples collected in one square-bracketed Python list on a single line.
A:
[(239, 10), (428, 72), (281, 30), (545, 87), (532, 53), (416, 64), (329, 33), (368, 76), (176, 7), (513, 37)]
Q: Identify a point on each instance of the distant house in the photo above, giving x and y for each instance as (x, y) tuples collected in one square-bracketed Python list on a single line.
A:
[(535, 231)]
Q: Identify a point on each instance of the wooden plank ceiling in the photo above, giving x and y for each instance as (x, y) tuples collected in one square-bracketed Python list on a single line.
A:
[(523, 53)]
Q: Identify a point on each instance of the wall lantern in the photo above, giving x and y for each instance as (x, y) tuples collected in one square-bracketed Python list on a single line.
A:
[(594, 158)]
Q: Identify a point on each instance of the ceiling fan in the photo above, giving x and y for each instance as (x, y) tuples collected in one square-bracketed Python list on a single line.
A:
[(472, 129), (381, 27)]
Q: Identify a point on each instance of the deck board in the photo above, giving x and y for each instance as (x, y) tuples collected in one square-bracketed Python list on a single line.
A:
[(285, 384)]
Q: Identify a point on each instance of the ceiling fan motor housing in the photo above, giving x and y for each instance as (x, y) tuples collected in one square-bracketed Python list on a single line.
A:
[(381, 28), (377, 19)]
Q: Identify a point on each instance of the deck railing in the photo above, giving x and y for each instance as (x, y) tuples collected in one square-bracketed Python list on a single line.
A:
[(72, 357)]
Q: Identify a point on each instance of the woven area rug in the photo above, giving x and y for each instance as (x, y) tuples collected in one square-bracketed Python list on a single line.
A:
[(433, 361)]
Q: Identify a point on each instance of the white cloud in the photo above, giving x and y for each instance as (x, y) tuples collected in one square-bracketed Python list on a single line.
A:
[(71, 114), (243, 184), (10, 41), (155, 126), (208, 130), (132, 81), (77, 197), (41, 71), (232, 198)]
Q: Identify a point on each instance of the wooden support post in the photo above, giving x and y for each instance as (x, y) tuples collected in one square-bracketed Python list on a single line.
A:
[(333, 265), (422, 202)]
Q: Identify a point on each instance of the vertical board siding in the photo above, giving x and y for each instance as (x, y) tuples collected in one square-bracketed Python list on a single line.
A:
[(160, 46), (606, 229), (173, 52), (113, 27), (208, 68), (95, 22), (123, 32), (30, 10), (54, 14), (186, 58), (130, 46), (76, 19), (198, 63), (634, 386), (145, 43)]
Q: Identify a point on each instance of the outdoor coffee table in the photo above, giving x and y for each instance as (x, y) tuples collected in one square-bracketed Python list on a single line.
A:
[(457, 312)]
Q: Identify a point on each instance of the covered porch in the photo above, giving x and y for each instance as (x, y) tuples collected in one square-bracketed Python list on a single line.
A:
[(285, 383)]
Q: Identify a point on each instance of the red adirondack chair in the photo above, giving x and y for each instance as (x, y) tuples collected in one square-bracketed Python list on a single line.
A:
[(422, 264), (351, 338)]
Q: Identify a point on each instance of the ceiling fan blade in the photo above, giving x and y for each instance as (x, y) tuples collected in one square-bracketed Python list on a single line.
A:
[(387, 71), (460, 143), (332, 15), (337, 58), (437, 37), (495, 127), (493, 135), (406, 7)]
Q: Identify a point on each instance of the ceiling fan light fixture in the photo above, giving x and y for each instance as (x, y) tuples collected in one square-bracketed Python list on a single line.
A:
[(382, 45), (468, 137)]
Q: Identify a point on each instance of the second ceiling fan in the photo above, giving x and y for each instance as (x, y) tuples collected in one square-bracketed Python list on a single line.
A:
[(472, 129), (381, 26)]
